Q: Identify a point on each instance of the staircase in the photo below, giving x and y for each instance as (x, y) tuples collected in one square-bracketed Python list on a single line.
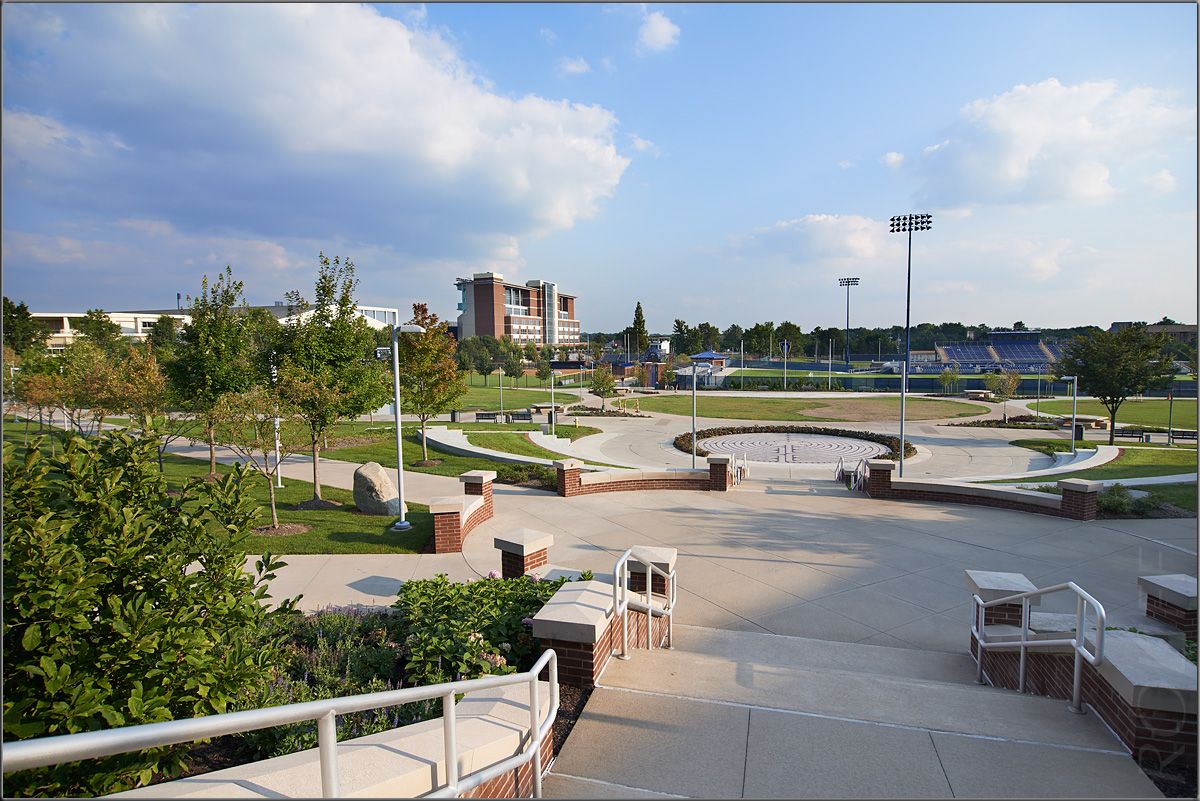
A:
[(729, 714)]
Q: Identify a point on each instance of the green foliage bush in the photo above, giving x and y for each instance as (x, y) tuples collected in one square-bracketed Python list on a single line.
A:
[(684, 441), (515, 473), (456, 631), (107, 620)]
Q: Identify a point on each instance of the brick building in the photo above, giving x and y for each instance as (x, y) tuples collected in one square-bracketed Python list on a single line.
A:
[(531, 312)]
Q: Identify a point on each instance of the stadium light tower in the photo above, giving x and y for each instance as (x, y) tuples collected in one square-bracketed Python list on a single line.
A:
[(847, 282), (907, 223)]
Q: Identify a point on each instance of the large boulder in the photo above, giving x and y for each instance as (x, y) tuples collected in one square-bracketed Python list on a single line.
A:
[(374, 492)]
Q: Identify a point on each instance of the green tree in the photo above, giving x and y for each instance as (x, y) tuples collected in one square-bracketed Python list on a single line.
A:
[(708, 336), (100, 329), (514, 368), (328, 371), (640, 336), (247, 424), (602, 384), (731, 337), (1115, 366), (484, 363), (530, 352), (86, 387), (543, 370), (949, 379), (759, 338), (994, 382), (106, 623), (164, 337), (430, 381), (144, 392), (21, 330), (215, 354), (792, 333)]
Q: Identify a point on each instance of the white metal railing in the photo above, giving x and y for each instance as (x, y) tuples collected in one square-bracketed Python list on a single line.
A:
[(1077, 643), (45, 751), (858, 479), (622, 601), (741, 468), (839, 470)]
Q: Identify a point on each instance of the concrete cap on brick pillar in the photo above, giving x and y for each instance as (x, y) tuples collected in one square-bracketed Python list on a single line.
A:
[(478, 476), (1177, 589), (448, 503), (1080, 485), (990, 585), (524, 541), (568, 464), (881, 464), (579, 611), (662, 558), (724, 459)]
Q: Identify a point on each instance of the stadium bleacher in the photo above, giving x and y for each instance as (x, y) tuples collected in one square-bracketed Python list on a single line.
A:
[(968, 354), (1019, 352)]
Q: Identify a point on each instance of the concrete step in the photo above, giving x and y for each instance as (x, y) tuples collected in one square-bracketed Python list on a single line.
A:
[(851, 685), (805, 652)]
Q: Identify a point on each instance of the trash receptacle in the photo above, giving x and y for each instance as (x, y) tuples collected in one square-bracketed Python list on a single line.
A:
[(550, 416), (454, 415), (1146, 437), (1079, 431)]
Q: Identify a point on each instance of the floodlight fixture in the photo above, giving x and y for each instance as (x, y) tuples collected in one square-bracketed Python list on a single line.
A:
[(847, 282), (906, 224)]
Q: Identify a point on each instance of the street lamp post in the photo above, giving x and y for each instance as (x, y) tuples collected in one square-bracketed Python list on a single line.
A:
[(695, 370), (1074, 405), (278, 469), (401, 524), (742, 363), (847, 282), (553, 408), (907, 223)]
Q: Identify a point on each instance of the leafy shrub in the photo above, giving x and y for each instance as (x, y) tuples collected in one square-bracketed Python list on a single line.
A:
[(586, 575), (105, 622), (1189, 650), (1114, 500), (458, 631), (515, 473), (683, 442)]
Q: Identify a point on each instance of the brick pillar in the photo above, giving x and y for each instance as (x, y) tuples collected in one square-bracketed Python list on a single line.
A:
[(1172, 615), (1079, 498), (879, 477), (568, 477), (720, 473), (447, 524), (522, 551), (1002, 615), (1171, 599), (479, 483)]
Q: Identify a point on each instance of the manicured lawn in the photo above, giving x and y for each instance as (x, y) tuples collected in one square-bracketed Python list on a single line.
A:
[(822, 409), (1181, 495), (488, 398), (1052, 446), (518, 443), (1139, 463), (797, 373), (525, 382), (1132, 412)]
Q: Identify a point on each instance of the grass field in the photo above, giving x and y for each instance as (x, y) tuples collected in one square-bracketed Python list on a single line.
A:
[(524, 382), (334, 531), (1052, 446), (1181, 495), (1139, 463), (843, 410), (1132, 412), (518, 443), (488, 398)]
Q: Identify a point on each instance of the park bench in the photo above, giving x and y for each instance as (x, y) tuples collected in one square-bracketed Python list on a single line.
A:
[(1130, 433), (1183, 434), (481, 417), (521, 417)]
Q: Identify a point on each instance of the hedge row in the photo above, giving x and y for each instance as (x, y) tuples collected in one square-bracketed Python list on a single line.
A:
[(684, 441)]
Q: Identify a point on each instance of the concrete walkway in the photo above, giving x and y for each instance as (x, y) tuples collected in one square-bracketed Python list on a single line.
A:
[(736, 715)]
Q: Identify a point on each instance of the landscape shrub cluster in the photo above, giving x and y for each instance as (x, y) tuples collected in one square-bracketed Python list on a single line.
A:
[(523, 473), (1015, 421), (683, 442)]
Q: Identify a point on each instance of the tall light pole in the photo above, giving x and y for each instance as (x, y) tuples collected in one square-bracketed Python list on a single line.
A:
[(1074, 405), (401, 524), (695, 370), (278, 470), (553, 408), (742, 363), (907, 223), (847, 282)]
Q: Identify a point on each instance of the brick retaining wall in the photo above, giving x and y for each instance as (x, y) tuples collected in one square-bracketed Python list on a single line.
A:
[(449, 529), (581, 663), (516, 783), (1172, 615), (719, 479)]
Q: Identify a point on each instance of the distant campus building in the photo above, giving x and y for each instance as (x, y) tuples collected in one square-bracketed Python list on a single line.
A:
[(1176, 331), (531, 312), (138, 324)]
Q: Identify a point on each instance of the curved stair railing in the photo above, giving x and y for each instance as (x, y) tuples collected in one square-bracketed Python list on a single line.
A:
[(623, 602), (1077, 643), (45, 751)]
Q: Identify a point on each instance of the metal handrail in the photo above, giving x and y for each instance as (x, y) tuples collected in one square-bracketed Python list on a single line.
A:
[(622, 602), (44, 751), (858, 478), (839, 471), (1078, 643)]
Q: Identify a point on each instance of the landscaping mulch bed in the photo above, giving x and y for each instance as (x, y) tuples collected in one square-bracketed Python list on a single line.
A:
[(1175, 781), (282, 530), (427, 463), (571, 701)]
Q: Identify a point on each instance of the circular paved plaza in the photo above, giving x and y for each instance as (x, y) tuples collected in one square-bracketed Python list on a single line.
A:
[(794, 448)]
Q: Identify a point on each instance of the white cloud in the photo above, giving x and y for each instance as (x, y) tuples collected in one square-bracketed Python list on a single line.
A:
[(547, 34), (657, 32), (644, 145), (845, 165), (1161, 182), (574, 66), (1050, 142), (148, 227), (893, 159), (608, 65), (935, 148)]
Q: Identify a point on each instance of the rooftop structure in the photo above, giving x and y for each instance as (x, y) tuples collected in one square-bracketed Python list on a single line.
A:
[(535, 311)]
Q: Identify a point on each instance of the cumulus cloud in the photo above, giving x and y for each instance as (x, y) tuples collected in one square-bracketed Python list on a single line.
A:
[(643, 145), (1049, 142), (547, 34), (291, 123), (893, 159), (657, 32), (1161, 182), (845, 165), (574, 66)]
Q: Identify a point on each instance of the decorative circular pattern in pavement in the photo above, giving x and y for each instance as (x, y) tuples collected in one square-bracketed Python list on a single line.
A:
[(794, 448)]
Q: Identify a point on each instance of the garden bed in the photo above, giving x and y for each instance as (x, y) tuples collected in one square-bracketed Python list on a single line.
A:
[(683, 442)]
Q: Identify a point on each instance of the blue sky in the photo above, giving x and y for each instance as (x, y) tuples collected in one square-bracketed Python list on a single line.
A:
[(716, 162)]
